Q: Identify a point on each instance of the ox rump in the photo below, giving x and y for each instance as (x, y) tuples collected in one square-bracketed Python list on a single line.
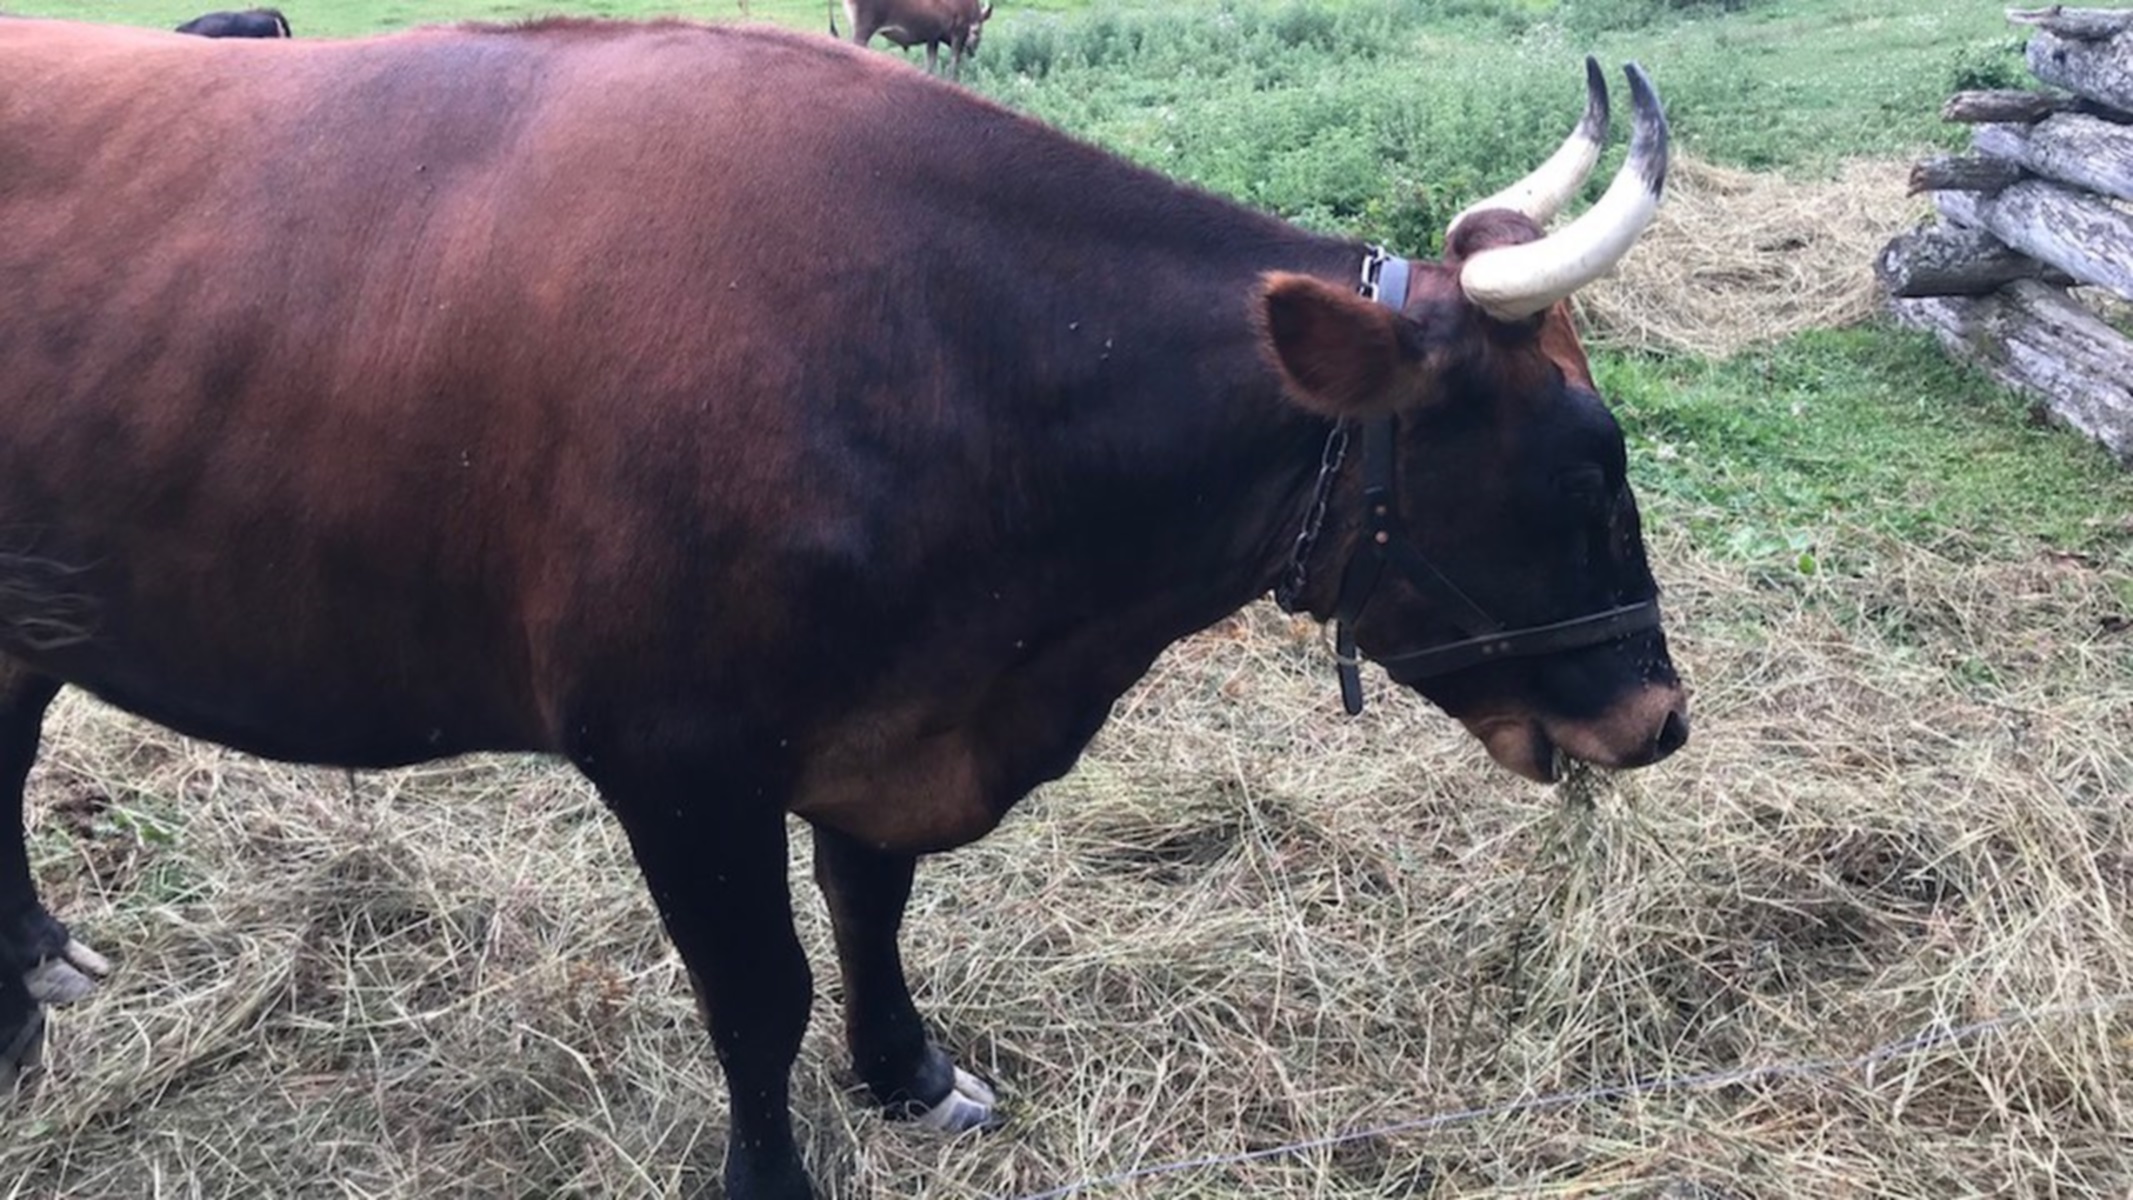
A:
[(570, 388)]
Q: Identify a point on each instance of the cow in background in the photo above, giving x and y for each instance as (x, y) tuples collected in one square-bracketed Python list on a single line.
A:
[(955, 24), (251, 23)]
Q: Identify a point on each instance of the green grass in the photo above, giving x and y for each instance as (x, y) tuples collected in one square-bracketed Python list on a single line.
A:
[(1382, 118), (1807, 454), (1752, 83), (1448, 90)]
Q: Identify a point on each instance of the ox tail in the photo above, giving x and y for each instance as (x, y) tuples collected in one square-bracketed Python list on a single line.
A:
[(832, 6)]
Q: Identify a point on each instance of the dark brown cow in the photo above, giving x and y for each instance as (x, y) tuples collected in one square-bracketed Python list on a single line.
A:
[(955, 24), (251, 23), (555, 389)]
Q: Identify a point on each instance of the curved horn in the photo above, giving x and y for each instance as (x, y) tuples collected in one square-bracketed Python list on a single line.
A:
[(1511, 282), (1543, 193)]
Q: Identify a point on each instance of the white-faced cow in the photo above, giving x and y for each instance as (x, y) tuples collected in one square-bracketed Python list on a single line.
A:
[(570, 388), (956, 24), (251, 23)]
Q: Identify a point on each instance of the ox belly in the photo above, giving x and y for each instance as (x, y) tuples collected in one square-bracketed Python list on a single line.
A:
[(320, 708), (906, 779), (934, 786)]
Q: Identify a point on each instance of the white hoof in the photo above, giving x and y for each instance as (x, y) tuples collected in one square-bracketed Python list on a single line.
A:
[(54, 982), (968, 1105), (70, 977), (85, 960)]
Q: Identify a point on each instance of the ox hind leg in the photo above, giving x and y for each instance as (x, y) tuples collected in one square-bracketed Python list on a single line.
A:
[(39, 963), (909, 1076), (717, 874)]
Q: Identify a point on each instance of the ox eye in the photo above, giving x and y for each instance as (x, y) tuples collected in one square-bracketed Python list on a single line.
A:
[(1585, 487)]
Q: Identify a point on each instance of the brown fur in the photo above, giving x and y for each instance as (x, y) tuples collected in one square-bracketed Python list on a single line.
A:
[(571, 388)]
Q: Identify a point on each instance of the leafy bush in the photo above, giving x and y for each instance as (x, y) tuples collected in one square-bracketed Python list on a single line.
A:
[(1989, 65), (1597, 16), (1029, 51)]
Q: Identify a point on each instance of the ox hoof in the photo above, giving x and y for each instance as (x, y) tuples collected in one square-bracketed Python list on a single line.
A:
[(72, 976), (23, 1053), (968, 1105)]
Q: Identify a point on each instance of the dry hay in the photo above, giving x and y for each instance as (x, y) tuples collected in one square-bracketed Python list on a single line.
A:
[(1244, 922), (1739, 258)]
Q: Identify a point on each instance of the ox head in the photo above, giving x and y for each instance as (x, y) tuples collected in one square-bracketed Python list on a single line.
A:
[(251, 23), (1484, 546), (976, 29)]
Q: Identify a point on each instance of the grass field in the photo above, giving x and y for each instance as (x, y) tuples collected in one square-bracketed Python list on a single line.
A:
[(1905, 607)]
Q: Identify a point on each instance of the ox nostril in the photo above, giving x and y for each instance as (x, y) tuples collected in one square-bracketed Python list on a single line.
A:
[(1673, 735)]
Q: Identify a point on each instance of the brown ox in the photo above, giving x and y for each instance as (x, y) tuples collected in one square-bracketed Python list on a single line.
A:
[(526, 389), (955, 24)]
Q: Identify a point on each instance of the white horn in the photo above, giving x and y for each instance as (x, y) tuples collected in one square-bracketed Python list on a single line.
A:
[(1543, 194), (1511, 282)]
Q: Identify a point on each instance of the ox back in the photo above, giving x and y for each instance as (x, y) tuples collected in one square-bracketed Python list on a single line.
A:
[(760, 425)]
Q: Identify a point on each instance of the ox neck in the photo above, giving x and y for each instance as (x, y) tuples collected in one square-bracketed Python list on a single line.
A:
[(1382, 279)]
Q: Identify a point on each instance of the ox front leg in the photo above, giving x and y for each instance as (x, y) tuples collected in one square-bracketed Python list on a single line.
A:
[(39, 963), (909, 1076), (717, 875)]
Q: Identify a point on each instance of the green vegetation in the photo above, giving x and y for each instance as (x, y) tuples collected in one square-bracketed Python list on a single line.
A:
[(1828, 443), (1456, 89), (1393, 92), (1368, 100)]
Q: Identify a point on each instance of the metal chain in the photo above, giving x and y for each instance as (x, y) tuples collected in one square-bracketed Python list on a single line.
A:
[(1329, 466), (1329, 469)]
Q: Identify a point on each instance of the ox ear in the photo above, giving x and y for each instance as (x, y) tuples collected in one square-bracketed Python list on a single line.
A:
[(1343, 356)]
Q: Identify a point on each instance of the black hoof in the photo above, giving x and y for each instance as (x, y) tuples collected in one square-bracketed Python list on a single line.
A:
[(749, 1177), (60, 970), (21, 1051)]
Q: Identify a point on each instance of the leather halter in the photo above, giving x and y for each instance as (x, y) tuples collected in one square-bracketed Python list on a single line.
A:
[(1383, 544)]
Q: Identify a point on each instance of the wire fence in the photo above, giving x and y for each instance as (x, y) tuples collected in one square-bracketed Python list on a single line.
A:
[(1903, 1048)]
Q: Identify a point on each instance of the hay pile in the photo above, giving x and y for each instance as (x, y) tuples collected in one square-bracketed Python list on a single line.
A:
[(1245, 922), (1741, 258)]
